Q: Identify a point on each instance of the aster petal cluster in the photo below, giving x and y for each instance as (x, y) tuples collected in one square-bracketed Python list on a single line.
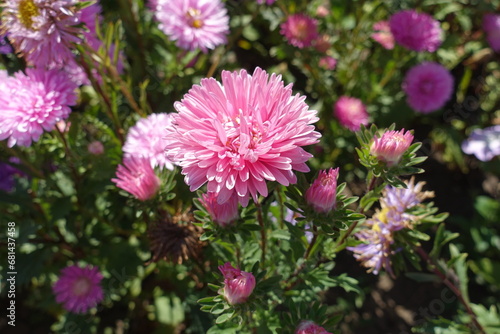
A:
[(137, 177), (322, 194), (238, 134), (350, 112), (79, 289), (391, 146), (428, 86), (300, 30), (146, 139), (483, 143), (223, 214), (383, 34), (309, 327), (32, 103), (193, 24), (416, 31), (238, 285)]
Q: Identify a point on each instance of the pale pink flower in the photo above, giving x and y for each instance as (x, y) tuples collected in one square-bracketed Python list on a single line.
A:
[(79, 289), (95, 148), (322, 11), (309, 327), (222, 214), (193, 24), (491, 26), (146, 139), (32, 103), (322, 194), (63, 126), (383, 34), (416, 31), (428, 87), (350, 112), (391, 146), (300, 30), (328, 63), (137, 177), (238, 285), (238, 134)]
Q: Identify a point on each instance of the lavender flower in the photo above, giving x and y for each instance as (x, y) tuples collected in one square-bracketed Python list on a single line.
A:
[(483, 143)]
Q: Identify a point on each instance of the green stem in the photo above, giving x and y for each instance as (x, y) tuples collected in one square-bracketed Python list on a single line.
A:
[(263, 235)]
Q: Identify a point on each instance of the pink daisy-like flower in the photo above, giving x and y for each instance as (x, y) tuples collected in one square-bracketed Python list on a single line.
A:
[(137, 177), (491, 26), (238, 285), (146, 139), (383, 34), (309, 327), (350, 112), (42, 30), (79, 289), (428, 87), (322, 194), (238, 134), (416, 31), (300, 30), (222, 214), (33, 103), (193, 24), (391, 146)]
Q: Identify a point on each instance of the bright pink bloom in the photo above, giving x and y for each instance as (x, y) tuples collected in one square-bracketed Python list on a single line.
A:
[(309, 327), (428, 86), (416, 31), (137, 177), (238, 285), (322, 194), (300, 30), (95, 148), (222, 214), (491, 26), (391, 146), (193, 24), (328, 63), (238, 134), (33, 103), (146, 139), (79, 289), (350, 112), (383, 34)]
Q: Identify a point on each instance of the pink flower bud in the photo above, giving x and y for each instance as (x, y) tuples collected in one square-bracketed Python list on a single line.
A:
[(350, 112), (391, 146), (238, 285), (95, 148), (322, 194), (223, 214), (309, 327)]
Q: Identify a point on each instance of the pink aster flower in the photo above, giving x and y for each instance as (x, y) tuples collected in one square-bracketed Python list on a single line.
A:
[(79, 289), (137, 177), (222, 214), (42, 30), (328, 63), (193, 24), (238, 134), (391, 146), (309, 327), (32, 103), (146, 139), (416, 31), (238, 285), (491, 26), (322, 194), (300, 30), (383, 34), (350, 112), (95, 148), (428, 87), (483, 143)]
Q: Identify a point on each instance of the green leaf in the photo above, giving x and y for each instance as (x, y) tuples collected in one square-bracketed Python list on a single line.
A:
[(224, 317), (423, 277)]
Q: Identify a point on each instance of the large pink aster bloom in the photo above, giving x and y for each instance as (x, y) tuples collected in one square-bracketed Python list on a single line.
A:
[(32, 103), (309, 327), (428, 86), (193, 24), (79, 289), (300, 30), (238, 285), (238, 134), (491, 26), (137, 177), (146, 139), (42, 30), (350, 112), (416, 31)]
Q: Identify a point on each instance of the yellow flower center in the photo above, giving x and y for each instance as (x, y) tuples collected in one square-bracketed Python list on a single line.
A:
[(382, 215), (193, 16), (27, 9)]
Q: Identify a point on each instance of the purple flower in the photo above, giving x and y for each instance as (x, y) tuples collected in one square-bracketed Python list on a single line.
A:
[(350, 112), (300, 30), (7, 173), (491, 26), (428, 87), (137, 177), (238, 285), (95, 148), (483, 143), (416, 31), (309, 327)]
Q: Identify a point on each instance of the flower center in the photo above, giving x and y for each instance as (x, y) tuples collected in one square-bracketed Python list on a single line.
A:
[(81, 286), (301, 30), (27, 9), (194, 19)]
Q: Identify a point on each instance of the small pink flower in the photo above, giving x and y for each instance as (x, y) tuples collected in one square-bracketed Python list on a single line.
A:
[(63, 126), (322, 194), (238, 285), (138, 178), (491, 26), (328, 63), (300, 30), (391, 146), (79, 289), (222, 214), (95, 148), (322, 43), (416, 31), (351, 112), (309, 327), (322, 11), (428, 86), (383, 34)]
